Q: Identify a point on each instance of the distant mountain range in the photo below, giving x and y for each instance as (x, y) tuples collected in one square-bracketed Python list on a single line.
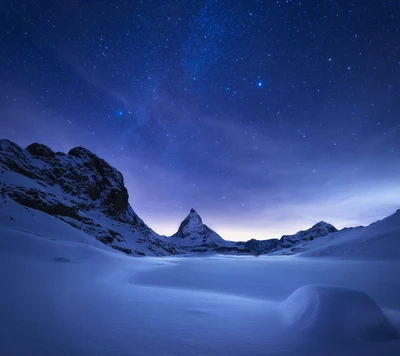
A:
[(84, 191)]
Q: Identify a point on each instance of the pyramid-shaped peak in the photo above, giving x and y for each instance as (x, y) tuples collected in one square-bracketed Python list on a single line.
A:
[(192, 222), (194, 216), (321, 223), (193, 233)]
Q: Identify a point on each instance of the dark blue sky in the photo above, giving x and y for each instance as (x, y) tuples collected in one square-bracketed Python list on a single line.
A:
[(264, 116)]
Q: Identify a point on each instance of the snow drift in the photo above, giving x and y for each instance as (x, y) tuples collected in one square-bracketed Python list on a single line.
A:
[(326, 311)]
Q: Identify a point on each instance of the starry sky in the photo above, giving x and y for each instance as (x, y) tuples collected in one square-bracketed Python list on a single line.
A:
[(264, 116)]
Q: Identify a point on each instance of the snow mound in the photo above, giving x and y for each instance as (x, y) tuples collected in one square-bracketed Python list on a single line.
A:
[(328, 311)]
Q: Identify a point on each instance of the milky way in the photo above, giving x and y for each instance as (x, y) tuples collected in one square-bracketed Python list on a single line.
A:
[(264, 116)]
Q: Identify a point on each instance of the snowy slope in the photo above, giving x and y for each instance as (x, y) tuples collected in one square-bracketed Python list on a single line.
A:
[(380, 240), (61, 296), (80, 189), (64, 292)]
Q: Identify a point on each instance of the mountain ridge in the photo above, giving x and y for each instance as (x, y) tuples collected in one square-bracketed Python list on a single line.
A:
[(80, 189), (193, 235), (84, 191)]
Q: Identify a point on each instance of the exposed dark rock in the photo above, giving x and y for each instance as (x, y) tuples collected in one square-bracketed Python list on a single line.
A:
[(105, 239), (126, 250), (39, 150), (261, 247), (36, 199), (236, 250), (71, 187), (196, 249)]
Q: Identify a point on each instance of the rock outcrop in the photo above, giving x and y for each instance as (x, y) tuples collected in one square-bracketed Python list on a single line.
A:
[(81, 189)]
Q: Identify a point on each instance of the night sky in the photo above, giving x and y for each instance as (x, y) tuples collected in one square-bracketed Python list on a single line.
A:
[(264, 116)]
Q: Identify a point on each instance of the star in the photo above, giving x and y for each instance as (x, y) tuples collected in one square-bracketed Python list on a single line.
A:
[(184, 88)]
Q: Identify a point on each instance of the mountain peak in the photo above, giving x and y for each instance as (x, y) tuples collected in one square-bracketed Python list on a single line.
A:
[(193, 233), (191, 222), (83, 153), (321, 228), (40, 150), (194, 217), (323, 224)]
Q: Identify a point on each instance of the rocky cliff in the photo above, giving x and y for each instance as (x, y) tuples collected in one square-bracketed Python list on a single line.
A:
[(81, 189)]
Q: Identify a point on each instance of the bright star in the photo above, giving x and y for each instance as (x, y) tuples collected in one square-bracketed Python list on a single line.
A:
[(260, 84)]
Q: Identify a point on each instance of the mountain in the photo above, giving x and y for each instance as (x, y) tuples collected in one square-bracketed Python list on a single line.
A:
[(289, 241), (80, 189), (194, 236), (262, 247), (83, 195), (193, 233), (320, 229), (380, 240)]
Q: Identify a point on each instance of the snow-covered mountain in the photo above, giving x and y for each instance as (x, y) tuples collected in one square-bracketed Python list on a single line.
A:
[(261, 247), (79, 189), (193, 233), (289, 241), (82, 190), (318, 230), (380, 240), (194, 236)]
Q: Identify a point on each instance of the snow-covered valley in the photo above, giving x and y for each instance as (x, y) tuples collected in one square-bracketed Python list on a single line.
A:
[(62, 295), (70, 284)]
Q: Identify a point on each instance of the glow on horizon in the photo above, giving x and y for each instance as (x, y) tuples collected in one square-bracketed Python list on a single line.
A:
[(235, 232), (363, 208), (243, 233)]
